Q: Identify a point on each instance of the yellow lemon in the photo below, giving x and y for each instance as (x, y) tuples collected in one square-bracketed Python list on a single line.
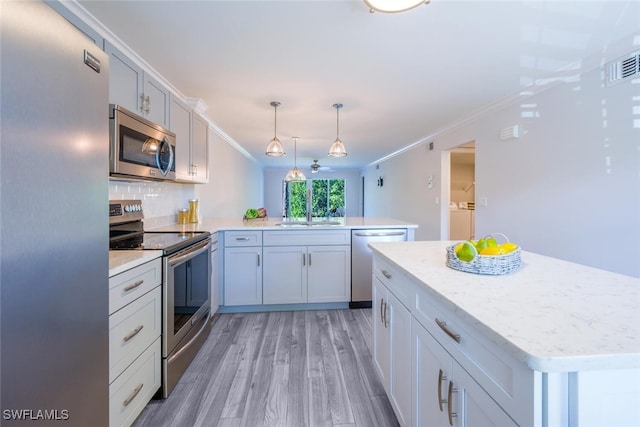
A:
[(492, 251), (508, 247)]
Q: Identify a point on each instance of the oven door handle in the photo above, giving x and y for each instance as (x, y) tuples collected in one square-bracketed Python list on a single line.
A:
[(197, 250)]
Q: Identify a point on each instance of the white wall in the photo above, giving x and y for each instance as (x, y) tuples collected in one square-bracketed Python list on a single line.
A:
[(273, 178), (235, 181), (569, 187)]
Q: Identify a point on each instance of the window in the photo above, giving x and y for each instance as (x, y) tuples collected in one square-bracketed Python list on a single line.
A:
[(327, 198)]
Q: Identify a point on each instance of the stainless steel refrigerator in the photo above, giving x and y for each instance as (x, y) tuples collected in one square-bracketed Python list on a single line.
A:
[(54, 141)]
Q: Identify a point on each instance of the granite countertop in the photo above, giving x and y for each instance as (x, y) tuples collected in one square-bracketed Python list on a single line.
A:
[(213, 225), (123, 260), (555, 316)]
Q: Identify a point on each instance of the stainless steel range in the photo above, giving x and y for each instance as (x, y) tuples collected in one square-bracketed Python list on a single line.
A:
[(186, 270)]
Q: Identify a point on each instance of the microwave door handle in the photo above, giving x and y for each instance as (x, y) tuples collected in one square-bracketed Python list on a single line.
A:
[(164, 172)]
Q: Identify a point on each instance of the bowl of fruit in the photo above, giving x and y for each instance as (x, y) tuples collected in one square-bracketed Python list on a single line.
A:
[(485, 256), (253, 214)]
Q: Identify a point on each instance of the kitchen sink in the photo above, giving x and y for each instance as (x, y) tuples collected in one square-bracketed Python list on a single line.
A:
[(307, 223)]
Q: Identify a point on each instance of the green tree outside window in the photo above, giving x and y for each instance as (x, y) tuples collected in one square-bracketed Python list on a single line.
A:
[(327, 198)]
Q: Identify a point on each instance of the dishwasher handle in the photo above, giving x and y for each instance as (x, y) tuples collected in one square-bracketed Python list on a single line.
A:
[(379, 234)]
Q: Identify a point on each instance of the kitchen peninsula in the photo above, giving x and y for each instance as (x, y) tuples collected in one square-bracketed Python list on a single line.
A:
[(552, 343), (275, 264)]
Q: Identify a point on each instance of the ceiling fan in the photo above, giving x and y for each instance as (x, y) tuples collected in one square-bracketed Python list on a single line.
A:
[(315, 167)]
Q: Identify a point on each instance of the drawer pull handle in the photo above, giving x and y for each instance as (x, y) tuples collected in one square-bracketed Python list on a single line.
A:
[(133, 333), (452, 414), (133, 285), (133, 395), (242, 239), (386, 274), (443, 326), (441, 377)]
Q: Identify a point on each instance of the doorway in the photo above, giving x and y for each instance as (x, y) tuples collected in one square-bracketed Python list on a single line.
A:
[(458, 193)]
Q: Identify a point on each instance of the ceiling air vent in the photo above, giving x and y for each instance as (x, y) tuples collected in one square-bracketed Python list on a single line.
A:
[(623, 68)]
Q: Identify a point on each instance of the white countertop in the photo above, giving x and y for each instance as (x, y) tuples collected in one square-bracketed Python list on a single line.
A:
[(225, 224), (123, 260), (554, 315)]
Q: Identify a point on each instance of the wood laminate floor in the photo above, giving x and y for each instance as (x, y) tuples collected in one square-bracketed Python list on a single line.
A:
[(297, 368)]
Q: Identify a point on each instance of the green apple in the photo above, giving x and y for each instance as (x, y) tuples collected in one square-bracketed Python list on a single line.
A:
[(481, 244), (491, 242), (466, 251)]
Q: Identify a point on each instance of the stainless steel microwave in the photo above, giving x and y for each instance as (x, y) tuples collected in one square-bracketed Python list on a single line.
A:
[(140, 148)]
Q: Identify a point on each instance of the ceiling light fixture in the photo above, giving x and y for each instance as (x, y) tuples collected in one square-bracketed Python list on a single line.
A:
[(295, 174), (393, 6), (337, 148), (275, 148)]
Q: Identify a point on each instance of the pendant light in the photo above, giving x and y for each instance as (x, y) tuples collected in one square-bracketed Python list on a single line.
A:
[(275, 148), (337, 148), (295, 174), (393, 6)]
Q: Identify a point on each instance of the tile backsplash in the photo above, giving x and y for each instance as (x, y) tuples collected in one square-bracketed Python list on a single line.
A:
[(160, 200)]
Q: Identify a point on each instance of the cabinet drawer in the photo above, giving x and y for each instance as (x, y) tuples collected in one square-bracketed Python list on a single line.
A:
[(242, 238), (307, 237), (133, 329), (397, 283), (509, 382), (131, 284), (131, 391)]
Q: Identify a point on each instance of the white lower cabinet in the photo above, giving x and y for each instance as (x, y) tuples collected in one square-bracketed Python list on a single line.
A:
[(306, 274), (242, 272), (284, 278), (392, 339), (243, 275), (131, 391), (444, 394), (135, 327)]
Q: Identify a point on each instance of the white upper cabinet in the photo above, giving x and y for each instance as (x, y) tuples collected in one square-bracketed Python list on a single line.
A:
[(180, 124), (199, 148), (192, 140), (135, 90)]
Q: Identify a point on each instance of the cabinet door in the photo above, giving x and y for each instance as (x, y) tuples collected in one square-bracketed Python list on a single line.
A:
[(243, 275), (432, 367), (329, 273), (444, 394), (157, 107), (285, 275), (473, 406), (180, 124), (399, 325), (199, 149), (125, 80), (381, 349)]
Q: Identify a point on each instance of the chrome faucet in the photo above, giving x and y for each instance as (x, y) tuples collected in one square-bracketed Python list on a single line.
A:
[(309, 214)]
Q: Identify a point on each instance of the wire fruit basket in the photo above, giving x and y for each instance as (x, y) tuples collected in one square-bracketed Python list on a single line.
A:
[(485, 264)]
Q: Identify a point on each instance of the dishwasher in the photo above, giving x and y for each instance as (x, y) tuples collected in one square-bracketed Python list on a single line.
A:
[(361, 264)]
